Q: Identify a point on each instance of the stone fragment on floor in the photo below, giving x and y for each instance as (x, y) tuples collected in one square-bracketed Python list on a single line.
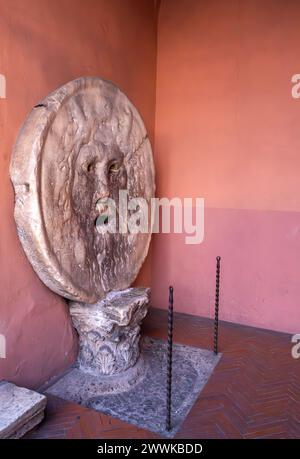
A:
[(21, 410)]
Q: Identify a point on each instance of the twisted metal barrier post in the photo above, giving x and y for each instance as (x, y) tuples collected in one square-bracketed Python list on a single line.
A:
[(169, 359), (216, 324)]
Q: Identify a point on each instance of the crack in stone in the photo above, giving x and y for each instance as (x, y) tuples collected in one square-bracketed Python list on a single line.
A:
[(140, 144), (40, 105)]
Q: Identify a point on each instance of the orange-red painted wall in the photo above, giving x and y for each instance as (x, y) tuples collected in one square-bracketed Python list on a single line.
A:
[(43, 44), (228, 130)]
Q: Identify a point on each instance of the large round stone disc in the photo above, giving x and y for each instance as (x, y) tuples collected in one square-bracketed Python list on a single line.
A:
[(78, 147)]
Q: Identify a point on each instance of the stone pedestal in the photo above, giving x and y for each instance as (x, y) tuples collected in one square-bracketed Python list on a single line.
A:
[(109, 331)]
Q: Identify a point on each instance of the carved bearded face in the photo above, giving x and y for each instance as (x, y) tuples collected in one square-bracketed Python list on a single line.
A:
[(99, 173), (84, 143)]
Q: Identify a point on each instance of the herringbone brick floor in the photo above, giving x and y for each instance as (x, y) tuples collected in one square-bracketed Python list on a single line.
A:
[(254, 391)]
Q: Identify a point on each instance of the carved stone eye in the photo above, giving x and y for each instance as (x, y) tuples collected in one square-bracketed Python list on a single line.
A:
[(113, 168), (90, 167)]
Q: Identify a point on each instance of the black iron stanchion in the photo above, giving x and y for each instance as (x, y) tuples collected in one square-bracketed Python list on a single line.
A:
[(216, 331), (169, 361)]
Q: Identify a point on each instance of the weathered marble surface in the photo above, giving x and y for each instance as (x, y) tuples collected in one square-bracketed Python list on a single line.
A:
[(79, 146), (144, 404), (20, 410), (109, 331)]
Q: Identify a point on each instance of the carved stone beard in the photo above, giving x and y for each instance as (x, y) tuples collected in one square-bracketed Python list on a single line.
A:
[(112, 259), (99, 173), (111, 253)]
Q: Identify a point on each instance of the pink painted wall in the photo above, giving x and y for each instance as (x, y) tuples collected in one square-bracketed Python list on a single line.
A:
[(228, 130), (44, 44)]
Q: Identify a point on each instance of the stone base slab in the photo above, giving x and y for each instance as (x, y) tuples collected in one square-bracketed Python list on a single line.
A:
[(144, 404)]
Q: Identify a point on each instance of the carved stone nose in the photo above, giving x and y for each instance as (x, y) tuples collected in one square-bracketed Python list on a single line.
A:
[(102, 210), (101, 205), (102, 190), (100, 197)]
